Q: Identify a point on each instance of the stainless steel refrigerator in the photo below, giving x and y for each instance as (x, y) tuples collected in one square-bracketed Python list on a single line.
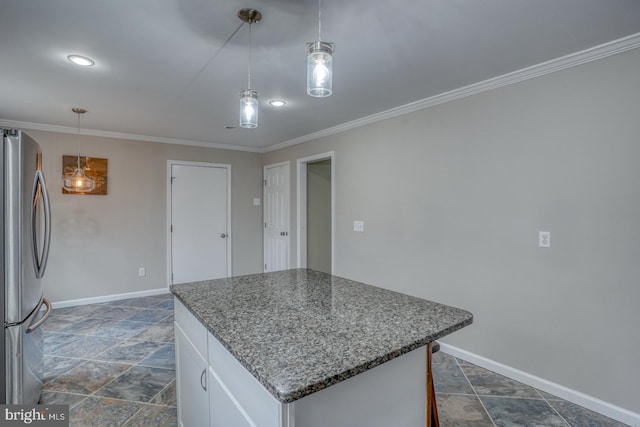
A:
[(25, 235)]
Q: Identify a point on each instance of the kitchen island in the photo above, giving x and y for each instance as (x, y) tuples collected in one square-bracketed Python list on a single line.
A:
[(300, 347)]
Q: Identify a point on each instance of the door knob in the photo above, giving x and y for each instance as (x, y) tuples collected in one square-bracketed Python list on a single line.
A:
[(223, 235)]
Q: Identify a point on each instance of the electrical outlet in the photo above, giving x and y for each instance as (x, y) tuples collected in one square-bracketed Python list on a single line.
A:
[(142, 272), (358, 226), (544, 239)]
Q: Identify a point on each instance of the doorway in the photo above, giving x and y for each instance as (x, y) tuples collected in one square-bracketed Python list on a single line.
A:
[(199, 244), (316, 212)]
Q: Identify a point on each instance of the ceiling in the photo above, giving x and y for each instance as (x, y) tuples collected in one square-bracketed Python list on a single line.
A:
[(163, 70)]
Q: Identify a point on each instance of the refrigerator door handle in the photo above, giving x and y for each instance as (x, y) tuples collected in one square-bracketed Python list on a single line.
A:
[(35, 325), (40, 191)]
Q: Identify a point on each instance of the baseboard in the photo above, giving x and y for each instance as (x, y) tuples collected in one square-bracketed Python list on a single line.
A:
[(107, 298), (574, 396)]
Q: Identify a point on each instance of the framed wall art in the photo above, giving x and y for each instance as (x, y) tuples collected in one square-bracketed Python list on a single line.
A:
[(94, 167)]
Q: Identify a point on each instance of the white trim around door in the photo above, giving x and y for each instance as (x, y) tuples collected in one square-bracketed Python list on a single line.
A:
[(302, 206), (229, 236)]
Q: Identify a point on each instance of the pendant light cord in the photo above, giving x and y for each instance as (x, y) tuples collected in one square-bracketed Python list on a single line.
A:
[(181, 94), (319, 20), (249, 79), (78, 139)]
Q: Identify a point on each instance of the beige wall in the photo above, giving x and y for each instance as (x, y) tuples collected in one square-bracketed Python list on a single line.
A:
[(453, 198), (99, 242)]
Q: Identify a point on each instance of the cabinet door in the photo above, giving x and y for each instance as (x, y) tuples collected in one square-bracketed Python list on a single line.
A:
[(191, 383), (225, 409), (238, 386)]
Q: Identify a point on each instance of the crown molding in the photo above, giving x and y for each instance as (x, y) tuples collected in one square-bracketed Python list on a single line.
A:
[(118, 135), (578, 58)]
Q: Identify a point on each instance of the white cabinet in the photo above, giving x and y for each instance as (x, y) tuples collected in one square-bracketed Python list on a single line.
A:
[(226, 411), (238, 399), (214, 389), (191, 369)]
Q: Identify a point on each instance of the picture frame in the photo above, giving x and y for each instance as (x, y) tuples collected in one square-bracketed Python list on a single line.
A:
[(94, 167)]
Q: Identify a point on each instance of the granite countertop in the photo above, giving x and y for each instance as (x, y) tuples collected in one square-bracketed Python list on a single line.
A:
[(300, 331)]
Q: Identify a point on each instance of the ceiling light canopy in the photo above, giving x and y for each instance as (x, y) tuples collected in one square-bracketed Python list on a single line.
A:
[(81, 60), (320, 63), (248, 97)]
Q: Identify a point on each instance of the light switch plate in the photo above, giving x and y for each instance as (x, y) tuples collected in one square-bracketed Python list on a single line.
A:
[(358, 226), (256, 201)]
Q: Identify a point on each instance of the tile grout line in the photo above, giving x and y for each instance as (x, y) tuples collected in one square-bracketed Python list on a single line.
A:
[(134, 414), (475, 393), (553, 408), (93, 357), (85, 360), (93, 393), (541, 397), (160, 392), (143, 405)]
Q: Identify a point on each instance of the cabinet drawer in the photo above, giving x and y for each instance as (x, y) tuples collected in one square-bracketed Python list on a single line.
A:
[(191, 326), (247, 394)]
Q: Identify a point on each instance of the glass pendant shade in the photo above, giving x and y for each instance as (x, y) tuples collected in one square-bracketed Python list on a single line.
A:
[(248, 109), (78, 182), (319, 69)]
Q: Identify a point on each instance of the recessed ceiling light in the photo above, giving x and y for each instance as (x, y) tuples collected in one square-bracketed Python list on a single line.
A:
[(81, 60), (277, 102)]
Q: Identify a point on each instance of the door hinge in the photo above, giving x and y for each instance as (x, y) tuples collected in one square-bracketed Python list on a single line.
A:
[(265, 182), (172, 178), (171, 228), (265, 267), (265, 225)]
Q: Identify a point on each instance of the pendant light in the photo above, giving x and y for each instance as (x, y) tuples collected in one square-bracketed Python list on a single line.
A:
[(78, 182), (248, 97), (320, 63)]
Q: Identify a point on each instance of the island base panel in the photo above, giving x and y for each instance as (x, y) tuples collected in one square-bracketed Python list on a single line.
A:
[(393, 393)]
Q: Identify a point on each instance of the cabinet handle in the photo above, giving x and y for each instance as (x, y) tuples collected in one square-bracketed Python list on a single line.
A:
[(203, 380)]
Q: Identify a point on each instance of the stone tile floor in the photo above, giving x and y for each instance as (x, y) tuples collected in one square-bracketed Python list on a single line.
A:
[(113, 364), (471, 396)]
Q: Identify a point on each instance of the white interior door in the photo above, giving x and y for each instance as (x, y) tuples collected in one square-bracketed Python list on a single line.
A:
[(199, 222), (276, 217)]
